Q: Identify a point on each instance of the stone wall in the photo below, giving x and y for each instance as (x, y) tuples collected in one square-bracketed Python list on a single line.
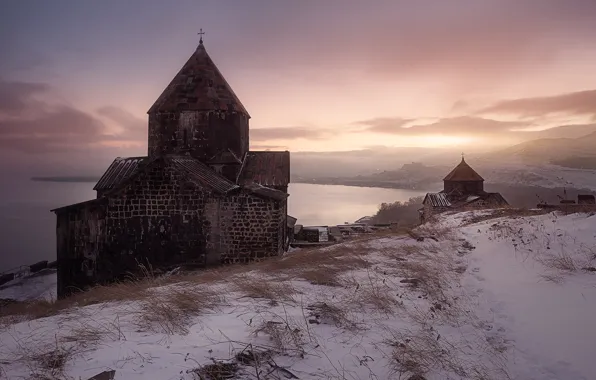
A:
[(250, 227), (158, 218), (202, 133), (80, 238), (161, 219), (428, 211)]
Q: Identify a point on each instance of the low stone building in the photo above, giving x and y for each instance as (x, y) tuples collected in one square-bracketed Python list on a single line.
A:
[(463, 189), (199, 198)]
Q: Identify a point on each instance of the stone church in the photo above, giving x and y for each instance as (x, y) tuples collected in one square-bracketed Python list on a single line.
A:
[(463, 188), (199, 197)]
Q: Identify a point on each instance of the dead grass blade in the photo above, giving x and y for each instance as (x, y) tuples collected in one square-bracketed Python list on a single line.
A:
[(285, 336), (172, 310), (418, 353)]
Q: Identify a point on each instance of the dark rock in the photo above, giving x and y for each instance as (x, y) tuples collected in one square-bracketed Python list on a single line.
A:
[(105, 375), (590, 269), (417, 377), (4, 278), (413, 281), (38, 266)]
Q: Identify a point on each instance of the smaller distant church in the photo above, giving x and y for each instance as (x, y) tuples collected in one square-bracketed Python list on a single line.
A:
[(200, 197), (463, 189)]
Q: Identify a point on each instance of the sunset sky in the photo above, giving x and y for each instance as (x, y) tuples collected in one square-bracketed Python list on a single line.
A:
[(77, 77)]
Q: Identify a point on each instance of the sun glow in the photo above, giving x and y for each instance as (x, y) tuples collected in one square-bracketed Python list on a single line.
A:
[(443, 141)]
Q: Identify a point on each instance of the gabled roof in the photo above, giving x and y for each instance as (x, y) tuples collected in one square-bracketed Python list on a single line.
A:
[(123, 170), (92, 202), (437, 200), (266, 168), (194, 171), (496, 199), (201, 174), (266, 192), (463, 172), (198, 86), (120, 169)]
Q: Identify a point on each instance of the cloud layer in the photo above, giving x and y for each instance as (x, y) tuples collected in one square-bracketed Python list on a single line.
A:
[(30, 124), (338, 74), (456, 41), (582, 103), (288, 133), (31, 121)]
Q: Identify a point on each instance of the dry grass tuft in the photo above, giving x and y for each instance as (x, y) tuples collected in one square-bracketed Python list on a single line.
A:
[(172, 310), (336, 260), (328, 313), (552, 277), (379, 299), (44, 362), (416, 354), (218, 370), (431, 277), (322, 275), (133, 289), (560, 261), (286, 336), (52, 361), (262, 287), (324, 266), (373, 292), (86, 332)]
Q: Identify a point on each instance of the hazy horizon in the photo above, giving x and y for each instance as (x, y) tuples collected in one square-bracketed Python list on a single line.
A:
[(77, 78)]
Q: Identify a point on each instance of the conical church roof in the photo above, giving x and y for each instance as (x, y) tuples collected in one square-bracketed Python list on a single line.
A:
[(198, 86), (463, 172)]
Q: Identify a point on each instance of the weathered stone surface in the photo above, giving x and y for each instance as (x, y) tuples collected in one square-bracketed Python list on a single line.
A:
[(161, 219), (183, 204)]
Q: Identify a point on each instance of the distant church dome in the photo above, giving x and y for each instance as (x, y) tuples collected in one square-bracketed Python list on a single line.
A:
[(463, 172)]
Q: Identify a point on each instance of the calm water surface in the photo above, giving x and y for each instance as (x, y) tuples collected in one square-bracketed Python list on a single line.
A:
[(27, 227)]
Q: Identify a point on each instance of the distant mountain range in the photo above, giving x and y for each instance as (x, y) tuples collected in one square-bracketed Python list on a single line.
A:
[(577, 152), (67, 179)]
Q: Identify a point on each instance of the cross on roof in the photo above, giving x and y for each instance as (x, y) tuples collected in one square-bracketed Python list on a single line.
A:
[(462, 155), (201, 34)]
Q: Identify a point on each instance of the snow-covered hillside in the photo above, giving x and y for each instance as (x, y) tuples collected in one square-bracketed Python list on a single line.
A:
[(479, 297)]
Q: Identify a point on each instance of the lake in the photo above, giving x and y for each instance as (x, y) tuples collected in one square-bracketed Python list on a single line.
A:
[(27, 227)]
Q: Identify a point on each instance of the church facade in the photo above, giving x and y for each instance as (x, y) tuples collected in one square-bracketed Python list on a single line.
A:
[(199, 197), (463, 189)]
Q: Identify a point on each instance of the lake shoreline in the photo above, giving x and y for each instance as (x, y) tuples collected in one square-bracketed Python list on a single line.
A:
[(30, 228)]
